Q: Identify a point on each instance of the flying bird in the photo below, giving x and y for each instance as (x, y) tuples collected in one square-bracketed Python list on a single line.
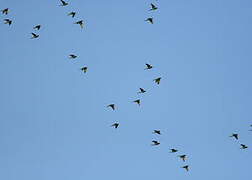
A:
[(63, 3), (115, 125), (72, 56), (148, 66), (141, 90), (235, 136), (157, 80), (137, 101), (183, 157), (150, 20), (80, 23), (112, 106), (186, 167), (5, 11), (156, 132), (243, 146), (84, 69), (34, 36), (7, 21), (155, 143), (173, 150), (72, 14), (37, 27), (153, 7)]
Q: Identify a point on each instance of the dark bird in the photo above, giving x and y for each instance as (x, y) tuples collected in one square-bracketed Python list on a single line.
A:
[(148, 66), (5, 11), (137, 101), (235, 136), (157, 80), (115, 125), (156, 132), (72, 14), (63, 3), (34, 36), (155, 143), (37, 27), (80, 23), (7, 21), (186, 167), (153, 7), (243, 146), (112, 106), (141, 90), (183, 157), (84, 69), (150, 20), (72, 56), (173, 150)]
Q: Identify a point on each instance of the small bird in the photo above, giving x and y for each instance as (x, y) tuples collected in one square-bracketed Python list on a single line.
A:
[(5, 11), (183, 157), (137, 101), (7, 21), (148, 66), (155, 143), (115, 125), (34, 36), (235, 136), (84, 69), (80, 23), (243, 146), (150, 20), (112, 106), (153, 7), (156, 132), (141, 90), (72, 56), (157, 80), (37, 27), (72, 14), (63, 3), (186, 167), (173, 150)]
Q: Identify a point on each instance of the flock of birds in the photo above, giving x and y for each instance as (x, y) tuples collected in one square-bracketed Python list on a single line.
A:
[(157, 80)]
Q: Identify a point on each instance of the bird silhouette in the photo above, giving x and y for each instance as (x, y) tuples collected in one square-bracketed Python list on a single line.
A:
[(156, 132), (157, 80), (153, 7), (183, 157), (148, 66), (173, 150), (72, 14), (84, 69), (186, 167), (155, 143), (141, 90), (243, 146), (80, 23), (115, 125), (72, 56), (150, 20), (5, 11), (37, 27), (34, 36), (7, 21), (63, 3), (137, 101), (234, 135), (112, 106)]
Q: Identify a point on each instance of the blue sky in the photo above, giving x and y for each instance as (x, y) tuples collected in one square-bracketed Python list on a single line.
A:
[(54, 123)]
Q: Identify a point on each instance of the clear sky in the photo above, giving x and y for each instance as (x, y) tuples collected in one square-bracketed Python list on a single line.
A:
[(54, 123)]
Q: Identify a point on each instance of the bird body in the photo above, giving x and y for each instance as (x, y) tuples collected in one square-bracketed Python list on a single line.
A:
[(157, 80), (72, 56), (7, 21), (173, 150), (156, 132), (243, 146), (148, 66), (63, 3), (84, 69), (137, 101), (235, 136), (155, 143), (5, 11), (183, 157), (72, 14), (115, 125), (81, 23), (37, 27), (150, 20), (141, 90), (153, 7), (186, 167), (34, 36), (112, 106)]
